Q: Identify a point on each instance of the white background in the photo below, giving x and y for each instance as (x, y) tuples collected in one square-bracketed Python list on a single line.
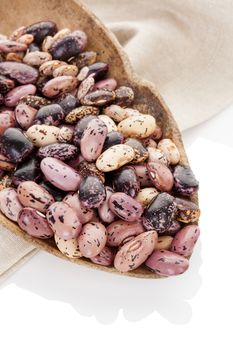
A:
[(54, 304)]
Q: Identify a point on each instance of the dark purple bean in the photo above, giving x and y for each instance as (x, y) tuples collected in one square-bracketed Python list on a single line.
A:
[(185, 182), (50, 115), (54, 191), (98, 70), (80, 127), (1, 99), (141, 153), (125, 180), (124, 96), (29, 170), (6, 84), (67, 102), (160, 213), (21, 72), (92, 192), (62, 151), (69, 46), (15, 145), (40, 30), (113, 138), (174, 228)]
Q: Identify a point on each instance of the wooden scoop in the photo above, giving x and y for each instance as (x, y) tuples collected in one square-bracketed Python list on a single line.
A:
[(74, 15)]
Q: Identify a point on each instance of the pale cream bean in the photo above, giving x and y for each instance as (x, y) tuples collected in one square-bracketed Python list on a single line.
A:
[(69, 70), (137, 126), (68, 247), (170, 150), (156, 154), (36, 58), (42, 135), (48, 68), (115, 157), (47, 43), (111, 126), (115, 112), (145, 195), (61, 34), (26, 39)]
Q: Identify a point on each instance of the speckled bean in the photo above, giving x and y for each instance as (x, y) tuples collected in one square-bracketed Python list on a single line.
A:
[(63, 220), (40, 30), (5, 163), (166, 263), (104, 258), (11, 46), (141, 153), (92, 192), (66, 133), (13, 96), (68, 70), (25, 115), (160, 175), (135, 252), (26, 39), (113, 138), (78, 113), (47, 68), (92, 239), (124, 96), (115, 157), (92, 140), (62, 151), (50, 115), (85, 86), (143, 175), (36, 58), (104, 211), (60, 174), (89, 169), (187, 211), (68, 247), (86, 58), (146, 195), (160, 213), (59, 85), (120, 232), (98, 98), (7, 120), (185, 182), (185, 240), (84, 214), (81, 127), (109, 84), (125, 180), (9, 203), (21, 72), (156, 154), (68, 46), (6, 84), (111, 126), (42, 135), (125, 206), (140, 127), (170, 150), (35, 101), (34, 223), (32, 195), (115, 112)]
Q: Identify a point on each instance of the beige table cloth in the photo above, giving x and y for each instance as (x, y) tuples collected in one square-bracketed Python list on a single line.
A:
[(185, 47)]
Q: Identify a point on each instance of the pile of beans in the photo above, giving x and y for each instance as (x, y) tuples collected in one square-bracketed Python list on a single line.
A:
[(79, 165)]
